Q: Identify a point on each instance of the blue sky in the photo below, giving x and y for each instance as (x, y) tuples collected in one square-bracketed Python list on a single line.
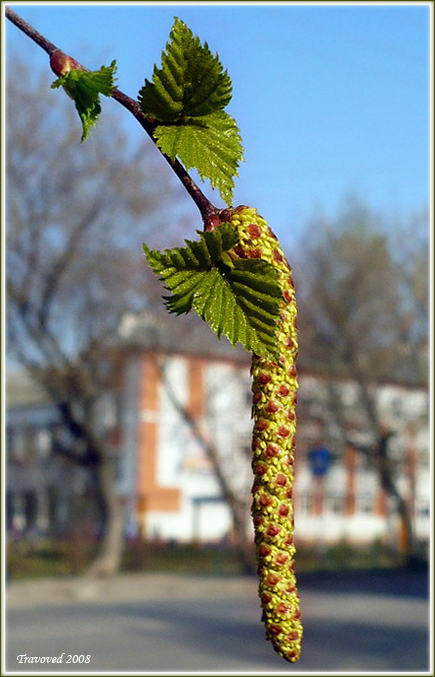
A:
[(330, 100)]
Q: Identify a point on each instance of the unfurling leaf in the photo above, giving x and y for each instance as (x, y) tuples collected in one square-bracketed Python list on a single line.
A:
[(84, 87)]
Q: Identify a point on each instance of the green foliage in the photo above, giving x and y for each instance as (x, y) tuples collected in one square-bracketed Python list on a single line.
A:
[(186, 98), (191, 80), (237, 297), (84, 87), (210, 143)]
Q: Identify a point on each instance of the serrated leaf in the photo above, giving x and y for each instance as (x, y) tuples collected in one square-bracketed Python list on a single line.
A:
[(230, 313), (190, 82), (186, 99), (211, 144), (197, 255), (84, 87), (240, 301)]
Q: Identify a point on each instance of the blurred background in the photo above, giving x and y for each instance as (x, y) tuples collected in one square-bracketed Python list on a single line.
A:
[(128, 431)]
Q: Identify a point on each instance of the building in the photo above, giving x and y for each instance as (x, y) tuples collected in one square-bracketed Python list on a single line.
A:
[(181, 396)]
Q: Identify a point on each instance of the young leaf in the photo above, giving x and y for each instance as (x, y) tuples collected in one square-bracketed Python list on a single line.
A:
[(240, 300), (211, 144), (191, 80), (186, 99), (84, 87)]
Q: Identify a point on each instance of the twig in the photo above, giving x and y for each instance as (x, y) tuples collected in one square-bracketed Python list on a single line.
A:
[(206, 208)]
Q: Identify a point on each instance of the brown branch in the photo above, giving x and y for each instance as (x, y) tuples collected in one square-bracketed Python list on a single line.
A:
[(59, 59), (46, 45)]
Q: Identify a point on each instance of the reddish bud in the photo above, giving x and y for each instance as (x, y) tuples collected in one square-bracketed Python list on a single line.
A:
[(287, 296), (283, 391), (255, 253), (61, 63), (275, 629), (273, 579), (281, 558), (282, 608), (257, 397), (281, 480), (238, 249), (264, 378), (273, 530), (254, 230), (272, 407), (283, 431), (264, 550), (262, 424), (260, 469), (277, 256), (272, 450), (266, 598), (265, 500), (283, 510)]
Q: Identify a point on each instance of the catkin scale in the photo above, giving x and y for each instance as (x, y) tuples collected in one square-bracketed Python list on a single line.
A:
[(274, 387)]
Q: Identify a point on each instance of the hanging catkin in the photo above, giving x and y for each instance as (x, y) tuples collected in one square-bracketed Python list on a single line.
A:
[(274, 386)]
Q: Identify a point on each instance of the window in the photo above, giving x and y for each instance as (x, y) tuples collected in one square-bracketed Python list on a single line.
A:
[(335, 503), (397, 407), (423, 508), (43, 443), (305, 503), (365, 503)]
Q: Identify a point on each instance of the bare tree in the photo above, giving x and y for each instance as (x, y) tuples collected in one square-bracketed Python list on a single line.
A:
[(363, 317), (230, 467), (76, 217)]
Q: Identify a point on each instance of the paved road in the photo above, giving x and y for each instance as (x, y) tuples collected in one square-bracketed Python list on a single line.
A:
[(157, 623)]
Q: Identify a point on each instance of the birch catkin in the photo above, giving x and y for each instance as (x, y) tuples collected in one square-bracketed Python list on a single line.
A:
[(274, 386)]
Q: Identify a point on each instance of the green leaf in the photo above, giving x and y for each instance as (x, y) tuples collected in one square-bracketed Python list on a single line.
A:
[(186, 99), (190, 82), (84, 87), (211, 144), (240, 301)]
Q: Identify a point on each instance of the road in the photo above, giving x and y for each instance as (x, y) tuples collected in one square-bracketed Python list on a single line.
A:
[(357, 621)]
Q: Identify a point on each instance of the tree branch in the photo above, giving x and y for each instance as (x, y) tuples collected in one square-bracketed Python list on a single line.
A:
[(206, 208), (31, 32), (208, 447)]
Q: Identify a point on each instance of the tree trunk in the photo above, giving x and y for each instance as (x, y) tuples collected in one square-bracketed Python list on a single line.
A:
[(406, 538), (386, 477), (110, 508)]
